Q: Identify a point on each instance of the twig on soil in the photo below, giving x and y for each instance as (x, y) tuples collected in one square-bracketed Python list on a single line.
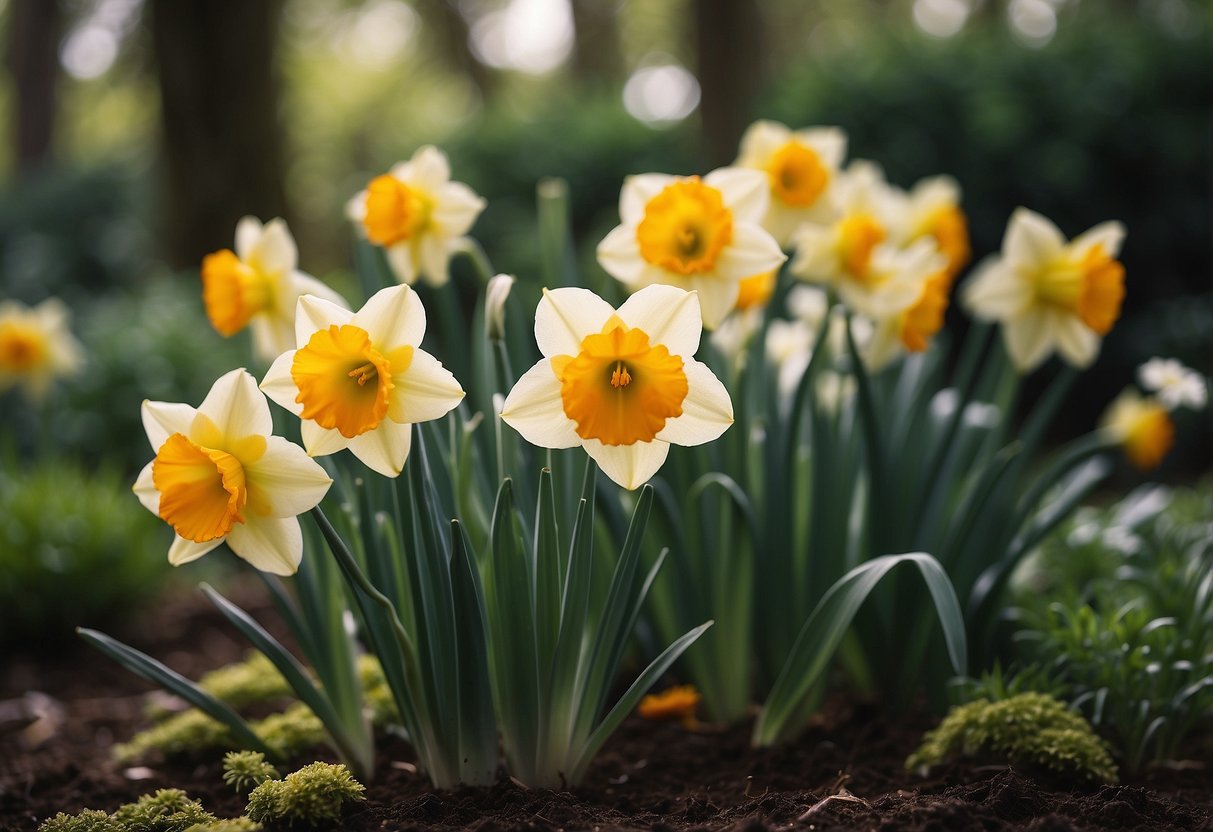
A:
[(843, 796)]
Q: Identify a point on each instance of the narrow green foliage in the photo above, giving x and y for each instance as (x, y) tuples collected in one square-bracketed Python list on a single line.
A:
[(313, 795), (294, 730), (376, 691), (233, 825), (244, 770), (168, 810), (90, 820), (1031, 730), (182, 733)]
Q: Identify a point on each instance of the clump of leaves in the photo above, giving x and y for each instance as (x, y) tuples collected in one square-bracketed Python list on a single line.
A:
[(252, 681), (90, 820), (233, 825), (1030, 730), (182, 733), (310, 796), (168, 810), (244, 770), (295, 729)]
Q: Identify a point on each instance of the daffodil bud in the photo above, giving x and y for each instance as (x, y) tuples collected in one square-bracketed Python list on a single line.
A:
[(494, 306)]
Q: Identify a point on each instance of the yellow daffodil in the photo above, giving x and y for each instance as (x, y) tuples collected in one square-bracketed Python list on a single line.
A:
[(1142, 427), (855, 254), (801, 167), (417, 215), (360, 380), (1049, 294), (220, 477), (736, 330), (36, 346), (700, 235), (932, 210), (257, 286), (1176, 385), (911, 327), (620, 383)]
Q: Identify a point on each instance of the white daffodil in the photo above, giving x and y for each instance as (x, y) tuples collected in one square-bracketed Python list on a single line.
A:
[(360, 380), (801, 167), (1176, 385), (257, 286), (36, 346), (736, 330), (1141, 426), (701, 235), (1049, 294), (912, 325), (620, 383), (854, 254), (932, 210), (417, 215), (220, 477)]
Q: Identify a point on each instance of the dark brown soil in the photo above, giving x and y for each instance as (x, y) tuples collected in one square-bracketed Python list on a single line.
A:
[(844, 773)]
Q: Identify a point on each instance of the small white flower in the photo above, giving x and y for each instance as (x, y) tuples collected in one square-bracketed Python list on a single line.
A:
[(1176, 385), (495, 296), (36, 346)]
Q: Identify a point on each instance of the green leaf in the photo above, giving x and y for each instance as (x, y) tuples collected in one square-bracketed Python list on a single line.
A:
[(478, 726)]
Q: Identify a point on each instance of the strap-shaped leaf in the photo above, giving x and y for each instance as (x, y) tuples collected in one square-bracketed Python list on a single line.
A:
[(157, 673), (477, 723), (829, 622)]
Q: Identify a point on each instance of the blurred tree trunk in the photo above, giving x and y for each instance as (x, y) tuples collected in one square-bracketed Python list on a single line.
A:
[(33, 61), (451, 30), (221, 136), (596, 56), (731, 60)]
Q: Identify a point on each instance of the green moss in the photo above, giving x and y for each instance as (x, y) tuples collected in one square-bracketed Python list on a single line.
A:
[(378, 694), (190, 730), (1029, 730), (248, 682), (234, 825), (294, 730), (244, 770), (168, 810), (90, 820), (312, 795)]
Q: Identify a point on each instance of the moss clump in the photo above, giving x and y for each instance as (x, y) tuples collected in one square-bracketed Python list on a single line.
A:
[(1032, 730), (245, 770), (168, 810), (294, 730), (234, 825), (378, 695), (90, 820), (312, 795), (248, 682), (190, 730)]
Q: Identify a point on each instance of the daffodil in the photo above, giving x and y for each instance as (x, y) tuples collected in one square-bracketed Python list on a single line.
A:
[(417, 215), (258, 285), (36, 346), (801, 167), (1049, 294), (1141, 426), (620, 383), (932, 210), (1176, 385), (911, 327), (360, 380), (220, 477), (701, 235)]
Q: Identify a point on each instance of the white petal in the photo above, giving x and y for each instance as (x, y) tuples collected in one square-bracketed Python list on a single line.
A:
[(302, 283), (321, 441), (1028, 339), (385, 448), (830, 144), (760, 141), (162, 419), (146, 491), (272, 544), (457, 209), (429, 168), (285, 481), (313, 314), (433, 258), (425, 390), (355, 211), (565, 317), (995, 292), (184, 551), (619, 255), (535, 409), (1107, 235), (753, 251), (1031, 239), (248, 232), (1077, 343), (275, 252), (707, 410), (393, 317), (272, 336), (746, 192), (236, 408), (717, 297), (400, 259), (630, 466), (636, 193), (280, 386), (669, 316)]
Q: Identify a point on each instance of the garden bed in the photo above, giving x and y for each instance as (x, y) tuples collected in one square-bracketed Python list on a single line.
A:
[(845, 772)]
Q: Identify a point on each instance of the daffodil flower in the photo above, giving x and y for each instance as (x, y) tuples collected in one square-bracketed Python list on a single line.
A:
[(220, 477), (1141, 426), (1049, 294), (932, 210), (701, 235), (620, 383), (360, 380), (417, 215), (801, 167), (258, 285), (911, 327), (36, 346), (1176, 385)]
